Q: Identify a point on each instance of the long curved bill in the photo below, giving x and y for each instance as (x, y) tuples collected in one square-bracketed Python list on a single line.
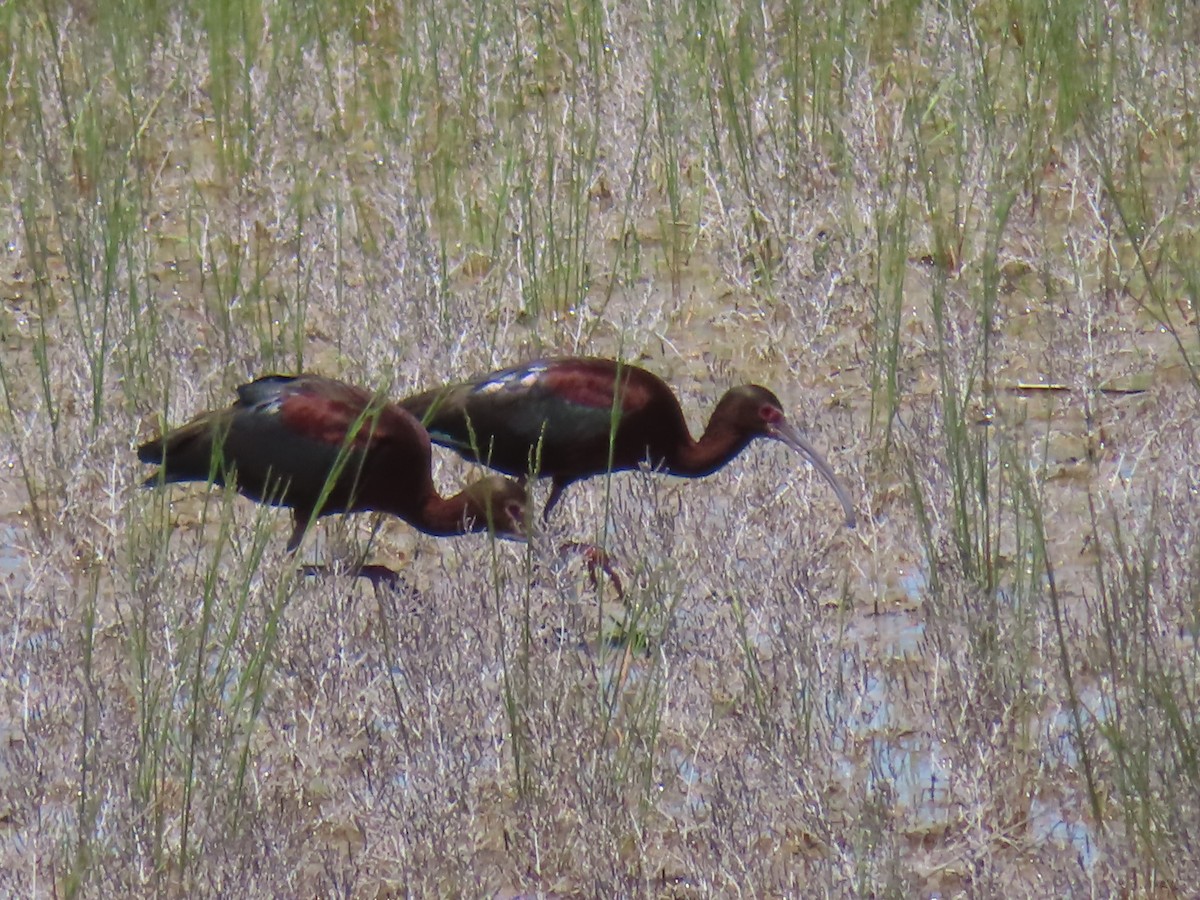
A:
[(789, 434)]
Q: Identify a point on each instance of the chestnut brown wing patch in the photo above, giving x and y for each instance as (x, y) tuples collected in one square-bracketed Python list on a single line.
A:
[(338, 414), (592, 384)]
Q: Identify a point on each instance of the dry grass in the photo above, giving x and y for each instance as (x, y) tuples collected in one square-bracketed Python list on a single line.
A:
[(958, 239)]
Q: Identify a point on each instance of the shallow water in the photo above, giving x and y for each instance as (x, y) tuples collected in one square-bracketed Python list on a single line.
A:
[(14, 557)]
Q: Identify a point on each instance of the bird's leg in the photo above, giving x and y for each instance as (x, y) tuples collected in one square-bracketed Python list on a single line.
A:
[(556, 490), (300, 520)]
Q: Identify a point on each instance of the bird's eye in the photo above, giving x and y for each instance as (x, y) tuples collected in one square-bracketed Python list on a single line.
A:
[(769, 414)]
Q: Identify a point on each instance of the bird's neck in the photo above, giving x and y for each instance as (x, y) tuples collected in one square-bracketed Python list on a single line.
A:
[(448, 516), (718, 445)]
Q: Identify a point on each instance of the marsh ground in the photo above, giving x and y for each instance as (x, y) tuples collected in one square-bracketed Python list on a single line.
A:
[(959, 241)]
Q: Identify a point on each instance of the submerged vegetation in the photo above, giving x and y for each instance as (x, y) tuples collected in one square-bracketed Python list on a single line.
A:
[(958, 240)]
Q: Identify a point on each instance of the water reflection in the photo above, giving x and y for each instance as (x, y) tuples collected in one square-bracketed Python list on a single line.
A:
[(914, 771), (14, 562), (1048, 823)]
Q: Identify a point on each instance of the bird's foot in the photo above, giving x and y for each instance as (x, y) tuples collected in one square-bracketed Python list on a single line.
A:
[(596, 560), (382, 575), (378, 575)]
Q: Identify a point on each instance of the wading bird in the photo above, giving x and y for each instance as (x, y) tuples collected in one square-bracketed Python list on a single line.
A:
[(575, 417), (320, 447)]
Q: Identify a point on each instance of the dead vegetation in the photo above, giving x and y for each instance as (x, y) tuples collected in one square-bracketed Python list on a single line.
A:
[(958, 240)]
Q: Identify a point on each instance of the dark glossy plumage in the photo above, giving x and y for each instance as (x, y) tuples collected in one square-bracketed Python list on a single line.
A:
[(567, 419), (320, 447)]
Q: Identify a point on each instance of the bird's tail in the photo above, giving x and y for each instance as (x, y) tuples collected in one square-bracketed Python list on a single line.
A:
[(184, 454), (151, 451)]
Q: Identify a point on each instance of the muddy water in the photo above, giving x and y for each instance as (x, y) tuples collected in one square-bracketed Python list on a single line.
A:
[(1085, 448), (699, 333), (15, 545)]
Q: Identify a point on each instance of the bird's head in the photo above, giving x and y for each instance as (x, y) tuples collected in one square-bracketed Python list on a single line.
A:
[(756, 412), (497, 504)]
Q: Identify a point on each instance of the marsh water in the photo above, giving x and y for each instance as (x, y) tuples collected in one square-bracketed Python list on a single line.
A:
[(986, 688), (873, 614)]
